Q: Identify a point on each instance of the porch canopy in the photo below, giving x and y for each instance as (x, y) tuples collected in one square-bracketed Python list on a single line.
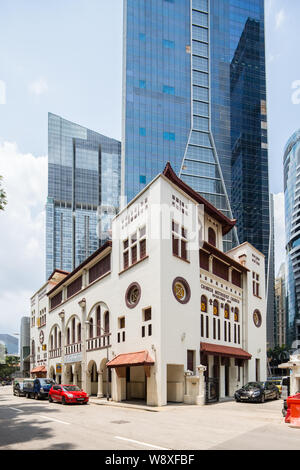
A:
[(227, 351), (39, 370), (140, 358)]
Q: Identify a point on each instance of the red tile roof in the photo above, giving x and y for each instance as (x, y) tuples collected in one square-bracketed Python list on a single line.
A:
[(38, 369), (140, 358), (228, 351)]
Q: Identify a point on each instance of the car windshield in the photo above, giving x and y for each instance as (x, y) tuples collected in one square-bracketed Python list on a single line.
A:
[(275, 382), (71, 388), (252, 385), (47, 381)]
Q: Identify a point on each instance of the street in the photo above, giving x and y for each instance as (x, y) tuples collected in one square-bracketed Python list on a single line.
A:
[(26, 424)]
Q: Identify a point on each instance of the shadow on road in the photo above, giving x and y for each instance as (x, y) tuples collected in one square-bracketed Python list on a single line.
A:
[(19, 427)]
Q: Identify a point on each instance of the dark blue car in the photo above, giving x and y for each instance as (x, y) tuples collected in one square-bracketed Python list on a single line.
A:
[(37, 388)]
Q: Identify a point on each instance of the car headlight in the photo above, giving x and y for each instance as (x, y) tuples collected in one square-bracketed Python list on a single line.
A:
[(42, 390), (256, 394), (70, 395)]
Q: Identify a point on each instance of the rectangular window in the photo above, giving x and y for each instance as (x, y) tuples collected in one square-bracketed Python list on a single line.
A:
[(190, 360), (179, 241), (126, 259), (175, 245), (143, 331), (169, 136), (147, 314), (219, 329), (142, 131), (150, 330), (142, 83), (101, 268), (123, 335), (74, 287), (168, 44), (134, 254), (142, 248), (207, 327), (202, 326), (200, 34), (214, 329), (220, 269), (225, 331)]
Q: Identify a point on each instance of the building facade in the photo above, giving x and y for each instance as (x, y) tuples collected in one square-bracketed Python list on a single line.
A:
[(194, 94), (160, 312), (291, 162), (84, 178), (271, 302), (280, 300), (24, 346)]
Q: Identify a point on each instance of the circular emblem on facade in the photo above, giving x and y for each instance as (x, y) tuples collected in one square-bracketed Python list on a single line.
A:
[(41, 337), (181, 290), (257, 318), (133, 295)]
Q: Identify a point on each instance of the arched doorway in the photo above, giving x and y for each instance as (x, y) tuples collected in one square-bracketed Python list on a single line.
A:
[(92, 379)]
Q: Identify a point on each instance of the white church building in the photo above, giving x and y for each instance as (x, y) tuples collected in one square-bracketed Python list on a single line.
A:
[(159, 313)]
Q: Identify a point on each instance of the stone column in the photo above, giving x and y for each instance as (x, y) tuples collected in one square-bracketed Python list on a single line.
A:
[(100, 384), (201, 397), (88, 385), (82, 305), (63, 342)]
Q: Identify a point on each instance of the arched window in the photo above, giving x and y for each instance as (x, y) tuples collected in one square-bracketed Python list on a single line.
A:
[(59, 339), (212, 239), (33, 347), (203, 304), (73, 330), (79, 332), (236, 314), (68, 336), (106, 322), (51, 342), (227, 312), (216, 308), (55, 337), (91, 328), (98, 320)]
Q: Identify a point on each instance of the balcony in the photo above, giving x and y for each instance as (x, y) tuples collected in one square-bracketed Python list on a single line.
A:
[(53, 353), (99, 342), (73, 348)]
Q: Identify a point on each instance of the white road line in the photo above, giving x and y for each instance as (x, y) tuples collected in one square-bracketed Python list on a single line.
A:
[(140, 443), (16, 409), (53, 419)]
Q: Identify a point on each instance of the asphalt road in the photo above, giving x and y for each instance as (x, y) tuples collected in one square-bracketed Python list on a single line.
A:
[(26, 424)]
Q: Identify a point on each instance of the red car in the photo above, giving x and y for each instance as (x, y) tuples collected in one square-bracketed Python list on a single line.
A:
[(66, 394)]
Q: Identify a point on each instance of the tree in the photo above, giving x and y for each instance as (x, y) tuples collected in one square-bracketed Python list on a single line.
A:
[(3, 200)]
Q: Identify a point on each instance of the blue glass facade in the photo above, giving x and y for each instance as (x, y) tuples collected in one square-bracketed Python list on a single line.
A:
[(202, 66), (292, 227), (84, 183)]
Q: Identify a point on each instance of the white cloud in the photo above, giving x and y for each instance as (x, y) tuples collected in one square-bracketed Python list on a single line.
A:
[(38, 87), (279, 230), (279, 18), (22, 232)]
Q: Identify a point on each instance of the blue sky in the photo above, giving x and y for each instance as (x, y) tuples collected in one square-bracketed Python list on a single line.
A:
[(65, 56)]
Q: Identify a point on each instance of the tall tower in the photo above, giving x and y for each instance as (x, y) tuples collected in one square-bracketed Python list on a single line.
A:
[(187, 66), (84, 182), (291, 163)]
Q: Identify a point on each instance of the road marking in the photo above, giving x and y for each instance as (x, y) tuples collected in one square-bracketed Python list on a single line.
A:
[(140, 443), (53, 419), (16, 409)]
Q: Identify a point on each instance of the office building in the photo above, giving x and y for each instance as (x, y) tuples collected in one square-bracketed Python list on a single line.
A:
[(280, 300), (83, 192), (25, 347), (194, 94), (271, 303), (291, 162)]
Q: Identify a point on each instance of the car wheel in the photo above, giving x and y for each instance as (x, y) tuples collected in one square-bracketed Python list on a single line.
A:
[(63, 401), (277, 396), (262, 400), (237, 400), (50, 399), (27, 395)]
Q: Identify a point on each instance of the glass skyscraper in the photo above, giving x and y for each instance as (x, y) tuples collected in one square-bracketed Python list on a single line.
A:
[(84, 183), (291, 163), (194, 94)]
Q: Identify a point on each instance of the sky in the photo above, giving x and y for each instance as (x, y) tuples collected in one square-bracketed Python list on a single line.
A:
[(65, 57)]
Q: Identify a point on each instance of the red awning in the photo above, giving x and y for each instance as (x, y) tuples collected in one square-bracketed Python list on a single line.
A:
[(140, 358), (219, 350), (38, 369)]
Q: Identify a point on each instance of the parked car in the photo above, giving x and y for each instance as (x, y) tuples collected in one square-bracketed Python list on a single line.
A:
[(18, 387), (276, 381), (257, 392), (37, 388), (66, 394)]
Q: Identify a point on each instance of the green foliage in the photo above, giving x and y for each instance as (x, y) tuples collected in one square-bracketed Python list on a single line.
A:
[(11, 365)]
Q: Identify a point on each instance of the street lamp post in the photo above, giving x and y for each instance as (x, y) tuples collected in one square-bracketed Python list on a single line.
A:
[(102, 329)]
